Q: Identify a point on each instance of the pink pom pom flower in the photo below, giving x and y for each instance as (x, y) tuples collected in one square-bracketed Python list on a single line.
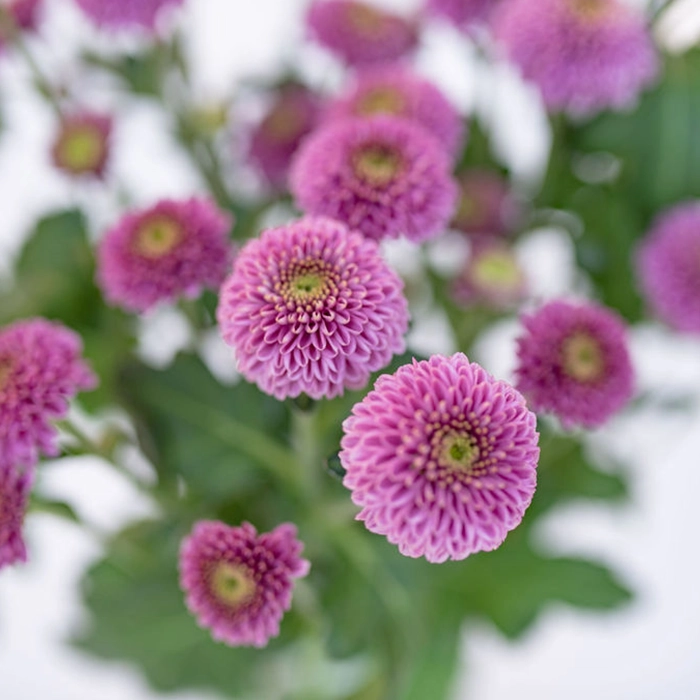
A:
[(383, 176), (41, 370), (172, 249), (574, 362), (312, 308), (15, 486), (442, 458), (396, 90), (584, 55), (239, 584), (82, 144), (359, 33), (119, 14), (668, 263), (275, 140)]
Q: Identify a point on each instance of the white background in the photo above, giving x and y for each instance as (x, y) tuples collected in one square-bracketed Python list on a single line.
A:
[(647, 651)]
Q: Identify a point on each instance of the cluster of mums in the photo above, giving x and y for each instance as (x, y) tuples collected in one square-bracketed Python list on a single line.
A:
[(440, 456)]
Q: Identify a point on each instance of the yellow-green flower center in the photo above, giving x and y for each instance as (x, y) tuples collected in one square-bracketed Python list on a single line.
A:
[(381, 100), (232, 584), (157, 237), (458, 452), (285, 122), (5, 371), (376, 164), (583, 357), (365, 18), (590, 9), (81, 148), (496, 269)]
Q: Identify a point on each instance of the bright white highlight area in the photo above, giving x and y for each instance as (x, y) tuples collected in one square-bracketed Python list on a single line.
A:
[(646, 651)]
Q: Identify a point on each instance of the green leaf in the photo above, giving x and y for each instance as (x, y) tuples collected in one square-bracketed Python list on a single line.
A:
[(656, 142), (137, 614), (39, 504), (513, 585), (223, 441), (565, 473)]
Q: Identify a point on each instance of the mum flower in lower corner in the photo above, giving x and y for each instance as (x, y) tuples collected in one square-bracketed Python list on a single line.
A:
[(573, 361), (312, 307), (442, 458), (384, 176), (15, 485), (668, 266), (172, 249), (238, 584), (41, 370)]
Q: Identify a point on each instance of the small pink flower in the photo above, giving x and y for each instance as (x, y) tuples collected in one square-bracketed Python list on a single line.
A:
[(238, 584), (584, 55), (82, 144), (41, 370), (15, 486), (312, 308), (442, 458), (492, 277), (384, 176), (118, 14), (172, 249), (668, 263), (398, 91), (360, 33), (574, 362), (275, 140)]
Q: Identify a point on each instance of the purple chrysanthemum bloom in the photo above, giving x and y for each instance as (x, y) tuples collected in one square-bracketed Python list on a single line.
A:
[(118, 14), (239, 584), (384, 176), (442, 458), (275, 140), (486, 205), (585, 55), (668, 263), (172, 249), (312, 308), (398, 91), (41, 370), (492, 277), (82, 144), (574, 362), (360, 33), (15, 486), (462, 13)]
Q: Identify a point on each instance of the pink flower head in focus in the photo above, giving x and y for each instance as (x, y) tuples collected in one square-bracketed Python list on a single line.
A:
[(311, 307), (442, 458)]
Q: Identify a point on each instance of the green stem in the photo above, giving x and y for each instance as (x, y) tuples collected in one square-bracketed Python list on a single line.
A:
[(104, 450), (306, 445)]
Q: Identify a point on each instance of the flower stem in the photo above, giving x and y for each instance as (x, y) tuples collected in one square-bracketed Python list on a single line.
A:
[(306, 445)]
